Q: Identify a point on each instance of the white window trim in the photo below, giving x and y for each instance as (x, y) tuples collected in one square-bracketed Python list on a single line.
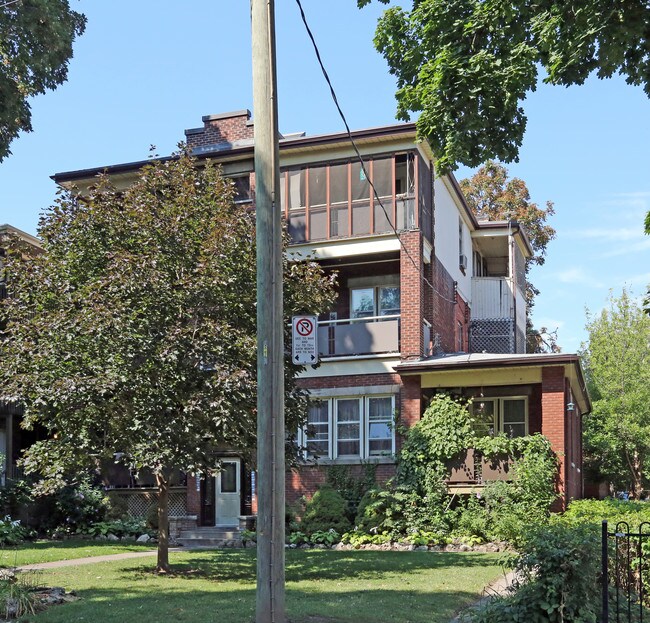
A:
[(364, 427)]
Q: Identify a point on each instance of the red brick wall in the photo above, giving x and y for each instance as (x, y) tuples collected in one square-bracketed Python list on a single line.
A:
[(193, 500), (461, 317), (412, 300), (221, 129), (553, 421), (306, 481), (353, 380), (410, 405), (444, 310)]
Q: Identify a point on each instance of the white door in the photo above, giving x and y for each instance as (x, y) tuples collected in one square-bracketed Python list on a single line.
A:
[(228, 493)]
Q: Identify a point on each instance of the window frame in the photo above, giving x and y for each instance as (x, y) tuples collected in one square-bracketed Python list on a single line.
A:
[(363, 401), (498, 415)]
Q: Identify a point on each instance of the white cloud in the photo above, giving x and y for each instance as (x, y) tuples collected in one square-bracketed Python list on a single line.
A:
[(577, 275)]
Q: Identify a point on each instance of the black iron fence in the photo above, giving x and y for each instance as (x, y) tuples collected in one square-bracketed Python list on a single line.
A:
[(625, 573)]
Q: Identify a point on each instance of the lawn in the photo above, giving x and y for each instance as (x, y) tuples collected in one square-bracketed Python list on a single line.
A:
[(322, 587), (47, 551)]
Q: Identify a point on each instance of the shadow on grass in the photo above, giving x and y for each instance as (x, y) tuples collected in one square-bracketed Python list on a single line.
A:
[(240, 565), (237, 605)]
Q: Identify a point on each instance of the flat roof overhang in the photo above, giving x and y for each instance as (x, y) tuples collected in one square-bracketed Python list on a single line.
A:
[(476, 369)]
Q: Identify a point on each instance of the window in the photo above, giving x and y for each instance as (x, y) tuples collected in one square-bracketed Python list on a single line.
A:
[(317, 432), (348, 427), (501, 415), (369, 302), (361, 427)]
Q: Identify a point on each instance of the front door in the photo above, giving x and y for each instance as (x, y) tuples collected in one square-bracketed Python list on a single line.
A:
[(228, 493)]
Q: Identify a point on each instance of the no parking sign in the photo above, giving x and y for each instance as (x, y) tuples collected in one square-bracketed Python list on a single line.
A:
[(304, 342)]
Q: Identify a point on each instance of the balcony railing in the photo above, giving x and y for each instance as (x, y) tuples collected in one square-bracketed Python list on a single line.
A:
[(359, 336), (471, 468)]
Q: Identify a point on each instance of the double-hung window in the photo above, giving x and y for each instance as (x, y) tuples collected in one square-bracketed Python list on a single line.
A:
[(501, 415), (350, 428)]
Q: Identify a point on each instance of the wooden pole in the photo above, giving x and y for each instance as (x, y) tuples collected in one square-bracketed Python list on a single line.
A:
[(270, 348)]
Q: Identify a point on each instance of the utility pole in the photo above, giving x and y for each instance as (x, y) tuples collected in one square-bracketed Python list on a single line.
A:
[(270, 340)]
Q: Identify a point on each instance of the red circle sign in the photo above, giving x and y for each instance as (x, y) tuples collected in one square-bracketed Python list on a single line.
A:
[(304, 327)]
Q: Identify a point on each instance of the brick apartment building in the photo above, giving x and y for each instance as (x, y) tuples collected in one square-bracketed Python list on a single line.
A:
[(430, 299)]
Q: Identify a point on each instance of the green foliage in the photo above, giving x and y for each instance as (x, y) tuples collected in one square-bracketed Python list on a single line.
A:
[(467, 65), (12, 532), (357, 538), (594, 511), (617, 367), (325, 510), (444, 430), (37, 42), (325, 537), (132, 527), (15, 495), (557, 570), (248, 535), (135, 332), (68, 509), (17, 598), (117, 506), (350, 486)]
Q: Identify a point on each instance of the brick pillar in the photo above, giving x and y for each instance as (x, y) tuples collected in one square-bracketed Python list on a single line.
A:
[(410, 404), (412, 300), (193, 499), (553, 422)]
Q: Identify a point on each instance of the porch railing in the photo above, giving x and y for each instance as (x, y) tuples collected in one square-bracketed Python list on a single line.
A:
[(359, 336), (473, 468)]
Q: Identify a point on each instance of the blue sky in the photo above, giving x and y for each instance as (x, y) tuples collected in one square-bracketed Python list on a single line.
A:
[(146, 70)]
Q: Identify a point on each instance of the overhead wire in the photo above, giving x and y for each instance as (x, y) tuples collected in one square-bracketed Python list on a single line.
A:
[(360, 157), (6, 4)]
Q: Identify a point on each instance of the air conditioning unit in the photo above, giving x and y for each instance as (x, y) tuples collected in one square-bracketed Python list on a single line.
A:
[(462, 261)]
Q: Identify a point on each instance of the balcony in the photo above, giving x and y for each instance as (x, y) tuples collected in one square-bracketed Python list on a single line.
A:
[(359, 336)]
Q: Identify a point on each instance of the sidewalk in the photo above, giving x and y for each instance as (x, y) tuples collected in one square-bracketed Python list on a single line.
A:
[(93, 559), (497, 588)]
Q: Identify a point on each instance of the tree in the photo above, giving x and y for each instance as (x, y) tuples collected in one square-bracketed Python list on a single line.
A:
[(36, 44), (134, 334), (617, 366), (467, 65), (492, 196)]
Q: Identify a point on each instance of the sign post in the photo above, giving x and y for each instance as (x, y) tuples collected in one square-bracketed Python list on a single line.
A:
[(304, 342)]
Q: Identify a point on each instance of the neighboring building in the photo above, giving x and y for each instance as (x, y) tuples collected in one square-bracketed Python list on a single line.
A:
[(430, 299), (12, 440)]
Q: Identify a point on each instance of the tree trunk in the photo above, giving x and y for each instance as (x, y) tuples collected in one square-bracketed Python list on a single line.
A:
[(163, 524), (637, 475)]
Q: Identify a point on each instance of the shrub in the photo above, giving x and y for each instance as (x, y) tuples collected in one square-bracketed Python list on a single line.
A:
[(15, 496), (117, 507), (352, 488), (557, 570), (12, 532), (130, 527), (325, 510)]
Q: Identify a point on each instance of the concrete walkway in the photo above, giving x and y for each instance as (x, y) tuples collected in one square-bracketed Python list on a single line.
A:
[(497, 588), (73, 562)]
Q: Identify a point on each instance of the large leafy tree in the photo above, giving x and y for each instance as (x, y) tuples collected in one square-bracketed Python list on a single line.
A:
[(467, 65), (493, 196), (36, 38), (617, 366), (134, 334)]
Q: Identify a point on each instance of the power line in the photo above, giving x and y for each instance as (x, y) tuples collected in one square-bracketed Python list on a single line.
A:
[(358, 153), (2, 6)]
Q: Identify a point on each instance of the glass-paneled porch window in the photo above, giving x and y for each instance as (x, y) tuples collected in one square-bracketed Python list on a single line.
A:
[(336, 199)]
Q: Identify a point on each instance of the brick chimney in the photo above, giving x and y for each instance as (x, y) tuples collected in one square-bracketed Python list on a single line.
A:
[(221, 132)]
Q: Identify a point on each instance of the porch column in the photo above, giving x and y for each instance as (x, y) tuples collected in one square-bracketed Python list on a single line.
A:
[(412, 300), (410, 404), (553, 421)]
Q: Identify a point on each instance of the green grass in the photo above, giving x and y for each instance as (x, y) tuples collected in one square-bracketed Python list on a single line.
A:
[(48, 551), (322, 587)]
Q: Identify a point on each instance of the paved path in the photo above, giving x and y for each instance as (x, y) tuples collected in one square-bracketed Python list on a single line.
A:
[(496, 588), (92, 559)]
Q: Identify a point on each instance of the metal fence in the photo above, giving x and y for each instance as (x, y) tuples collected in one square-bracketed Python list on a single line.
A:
[(625, 573)]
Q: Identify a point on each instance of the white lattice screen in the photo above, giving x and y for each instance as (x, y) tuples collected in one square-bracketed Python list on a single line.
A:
[(139, 501)]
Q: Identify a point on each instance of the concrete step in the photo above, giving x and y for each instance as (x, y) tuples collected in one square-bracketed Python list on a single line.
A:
[(210, 536)]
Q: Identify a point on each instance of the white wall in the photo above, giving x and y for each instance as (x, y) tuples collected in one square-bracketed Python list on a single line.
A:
[(447, 213)]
